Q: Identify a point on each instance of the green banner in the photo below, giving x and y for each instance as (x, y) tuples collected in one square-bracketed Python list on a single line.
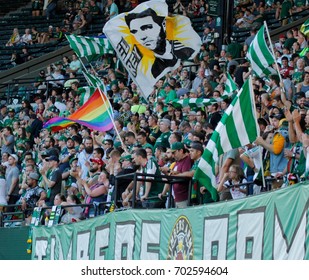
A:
[(267, 226), (13, 243)]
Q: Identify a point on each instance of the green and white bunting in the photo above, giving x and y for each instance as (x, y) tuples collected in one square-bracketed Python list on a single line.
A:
[(230, 88), (237, 127), (260, 55), (90, 47)]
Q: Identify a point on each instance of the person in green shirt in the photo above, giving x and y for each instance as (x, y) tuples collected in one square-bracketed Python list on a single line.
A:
[(142, 140), (93, 8), (154, 129), (149, 194), (8, 121), (290, 40), (162, 140), (170, 93), (286, 11)]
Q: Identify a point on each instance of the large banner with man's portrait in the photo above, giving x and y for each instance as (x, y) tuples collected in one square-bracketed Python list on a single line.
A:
[(150, 43)]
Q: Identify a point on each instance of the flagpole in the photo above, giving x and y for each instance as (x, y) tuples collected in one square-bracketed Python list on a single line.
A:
[(273, 53), (257, 129), (104, 103)]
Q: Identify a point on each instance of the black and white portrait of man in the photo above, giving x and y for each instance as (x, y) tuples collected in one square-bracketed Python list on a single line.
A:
[(149, 30), (150, 43)]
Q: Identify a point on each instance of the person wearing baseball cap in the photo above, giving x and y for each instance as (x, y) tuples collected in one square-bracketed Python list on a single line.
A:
[(52, 178), (122, 183), (96, 167), (33, 195), (183, 164), (97, 161), (8, 121), (125, 158), (196, 152), (54, 111), (74, 158), (278, 161)]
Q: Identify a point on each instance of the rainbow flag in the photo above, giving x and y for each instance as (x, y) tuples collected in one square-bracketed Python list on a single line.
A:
[(95, 114)]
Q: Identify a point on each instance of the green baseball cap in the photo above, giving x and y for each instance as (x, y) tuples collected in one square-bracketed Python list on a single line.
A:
[(187, 142), (126, 157), (72, 159), (177, 146), (117, 144), (62, 138)]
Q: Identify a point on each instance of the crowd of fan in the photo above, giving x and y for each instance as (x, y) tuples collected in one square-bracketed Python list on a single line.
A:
[(78, 16), (155, 136)]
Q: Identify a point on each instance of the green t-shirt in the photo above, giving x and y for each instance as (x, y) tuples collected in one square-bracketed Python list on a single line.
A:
[(154, 134), (163, 140), (297, 77), (152, 167), (235, 49), (286, 6), (289, 42), (9, 122)]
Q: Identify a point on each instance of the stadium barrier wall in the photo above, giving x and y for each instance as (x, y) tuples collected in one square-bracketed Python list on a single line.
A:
[(13, 243), (267, 226)]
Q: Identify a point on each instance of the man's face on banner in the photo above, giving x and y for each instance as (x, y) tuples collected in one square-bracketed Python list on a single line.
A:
[(146, 31)]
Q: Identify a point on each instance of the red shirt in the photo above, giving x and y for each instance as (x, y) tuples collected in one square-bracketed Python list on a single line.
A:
[(286, 72), (181, 190)]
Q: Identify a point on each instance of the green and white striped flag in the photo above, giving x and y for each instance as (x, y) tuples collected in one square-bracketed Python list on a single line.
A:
[(237, 127), (260, 55), (230, 88), (196, 102), (94, 81), (85, 93), (90, 47)]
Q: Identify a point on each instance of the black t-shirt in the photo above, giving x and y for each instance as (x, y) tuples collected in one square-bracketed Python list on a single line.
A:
[(55, 176), (238, 75)]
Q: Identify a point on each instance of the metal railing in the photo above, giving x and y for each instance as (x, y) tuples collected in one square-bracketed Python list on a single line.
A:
[(144, 177), (100, 208), (19, 215)]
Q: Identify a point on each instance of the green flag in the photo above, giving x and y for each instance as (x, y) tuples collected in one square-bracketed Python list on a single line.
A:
[(85, 93), (90, 47), (304, 52), (237, 127), (230, 88), (260, 55), (94, 81), (305, 28)]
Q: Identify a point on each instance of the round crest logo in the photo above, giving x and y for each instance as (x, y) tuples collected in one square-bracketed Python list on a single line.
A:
[(180, 245)]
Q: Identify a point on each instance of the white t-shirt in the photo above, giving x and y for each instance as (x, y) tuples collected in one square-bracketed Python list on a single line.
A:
[(3, 192), (235, 192)]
